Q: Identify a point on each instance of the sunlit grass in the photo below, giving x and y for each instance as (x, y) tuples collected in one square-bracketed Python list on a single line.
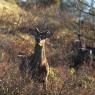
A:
[(9, 6)]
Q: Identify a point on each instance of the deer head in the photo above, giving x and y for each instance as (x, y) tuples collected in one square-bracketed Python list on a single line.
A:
[(41, 36)]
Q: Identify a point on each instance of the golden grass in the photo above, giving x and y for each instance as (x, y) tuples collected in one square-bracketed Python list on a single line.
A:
[(9, 7)]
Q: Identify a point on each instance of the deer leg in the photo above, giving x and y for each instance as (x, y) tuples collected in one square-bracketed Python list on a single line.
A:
[(45, 84)]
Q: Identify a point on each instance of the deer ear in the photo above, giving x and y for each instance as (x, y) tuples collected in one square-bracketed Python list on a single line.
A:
[(36, 32)]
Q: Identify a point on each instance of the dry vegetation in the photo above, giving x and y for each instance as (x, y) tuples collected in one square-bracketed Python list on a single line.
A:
[(15, 38)]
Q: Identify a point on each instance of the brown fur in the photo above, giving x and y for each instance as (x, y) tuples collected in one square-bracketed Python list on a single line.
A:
[(39, 65)]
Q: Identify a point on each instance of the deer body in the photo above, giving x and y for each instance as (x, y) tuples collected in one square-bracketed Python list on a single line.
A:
[(81, 55), (39, 65)]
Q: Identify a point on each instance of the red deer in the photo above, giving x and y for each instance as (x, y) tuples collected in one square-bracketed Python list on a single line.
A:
[(37, 63), (80, 55)]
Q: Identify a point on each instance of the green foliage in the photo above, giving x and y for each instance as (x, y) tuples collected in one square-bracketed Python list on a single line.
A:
[(53, 73)]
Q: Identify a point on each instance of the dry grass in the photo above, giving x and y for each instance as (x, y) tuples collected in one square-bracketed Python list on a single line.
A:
[(62, 80)]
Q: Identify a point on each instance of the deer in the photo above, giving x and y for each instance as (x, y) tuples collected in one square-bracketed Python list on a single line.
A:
[(37, 63), (80, 55)]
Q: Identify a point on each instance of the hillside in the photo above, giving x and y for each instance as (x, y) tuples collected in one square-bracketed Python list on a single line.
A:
[(10, 6), (17, 30)]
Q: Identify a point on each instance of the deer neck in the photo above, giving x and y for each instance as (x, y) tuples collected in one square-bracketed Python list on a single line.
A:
[(39, 52), (43, 56)]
